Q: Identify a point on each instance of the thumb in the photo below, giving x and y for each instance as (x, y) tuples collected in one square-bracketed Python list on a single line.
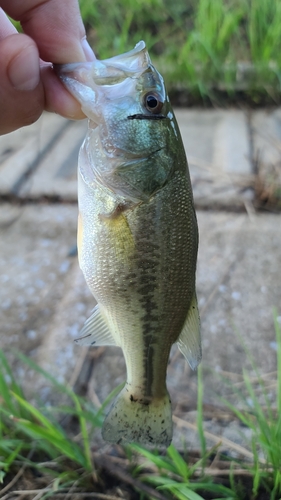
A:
[(21, 92)]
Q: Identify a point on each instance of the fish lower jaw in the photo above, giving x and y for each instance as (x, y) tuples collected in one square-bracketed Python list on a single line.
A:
[(145, 420)]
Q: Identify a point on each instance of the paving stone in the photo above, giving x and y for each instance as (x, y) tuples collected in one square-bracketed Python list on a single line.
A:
[(266, 127), (37, 273), (56, 174), (44, 302), (23, 149), (238, 284), (218, 151), (216, 143), (216, 137), (44, 299)]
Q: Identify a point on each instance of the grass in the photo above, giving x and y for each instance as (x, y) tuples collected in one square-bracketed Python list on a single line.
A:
[(199, 46), (264, 420), (32, 439), (207, 50)]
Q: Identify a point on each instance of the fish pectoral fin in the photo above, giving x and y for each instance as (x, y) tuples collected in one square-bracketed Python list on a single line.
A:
[(95, 331), (118, 209), (189, 341)]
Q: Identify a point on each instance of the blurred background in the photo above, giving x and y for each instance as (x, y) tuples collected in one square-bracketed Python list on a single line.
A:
[(211, 51)]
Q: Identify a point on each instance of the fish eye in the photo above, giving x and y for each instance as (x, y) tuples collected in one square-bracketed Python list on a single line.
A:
[(152, 102)]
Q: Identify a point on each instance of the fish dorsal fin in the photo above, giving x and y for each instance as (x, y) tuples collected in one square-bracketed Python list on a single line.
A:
[(189, 341), (95, 331)]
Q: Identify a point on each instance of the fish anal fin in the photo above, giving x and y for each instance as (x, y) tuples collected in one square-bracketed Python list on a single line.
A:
[(189, 341), (95, 331)]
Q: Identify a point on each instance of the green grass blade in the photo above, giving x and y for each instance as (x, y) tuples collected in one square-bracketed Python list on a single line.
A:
[(52, 434), (8, 460), (85, 436), (180, 464), (254, 403), (259, 378), (58, 441), (278, 341), (255, 469), (6, 397), (61, 387), (109, 398), (179, 490), (161, 462), (182, 488), (214, 488), (37, 415), (200, 417)]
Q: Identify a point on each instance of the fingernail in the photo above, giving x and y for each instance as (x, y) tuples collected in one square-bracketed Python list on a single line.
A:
[(24, 70), (89, 54)]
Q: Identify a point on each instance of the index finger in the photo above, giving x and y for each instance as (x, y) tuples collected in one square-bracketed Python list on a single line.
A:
[(55, 25)]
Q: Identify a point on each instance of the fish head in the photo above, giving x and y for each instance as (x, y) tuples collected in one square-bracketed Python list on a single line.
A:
[(125, 98)]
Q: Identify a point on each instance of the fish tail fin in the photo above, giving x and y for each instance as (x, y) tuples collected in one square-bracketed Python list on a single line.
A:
[(133, 420)]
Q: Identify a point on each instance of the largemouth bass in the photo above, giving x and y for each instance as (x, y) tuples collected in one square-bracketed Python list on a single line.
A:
[(137, 235)]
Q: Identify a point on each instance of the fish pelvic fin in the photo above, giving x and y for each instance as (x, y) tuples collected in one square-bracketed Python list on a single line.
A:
[(132, 420), (95, 331), (189, 341)]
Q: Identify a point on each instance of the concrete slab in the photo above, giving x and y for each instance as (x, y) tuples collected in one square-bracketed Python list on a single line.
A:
[(217, 137), (218, 151), (239, 284), (56, 173), (216, 141), (22, 150), (44, 300), (266, 127), (36, 273)]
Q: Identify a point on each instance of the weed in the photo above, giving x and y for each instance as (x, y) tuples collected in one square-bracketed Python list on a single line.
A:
[(227, 45), (263, 417), (198, 46), (31, 437)]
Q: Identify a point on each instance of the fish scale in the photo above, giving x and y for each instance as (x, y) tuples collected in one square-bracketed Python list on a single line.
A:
[(137, 236)]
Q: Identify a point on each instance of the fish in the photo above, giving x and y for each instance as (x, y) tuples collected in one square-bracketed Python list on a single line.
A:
[(137, 236)]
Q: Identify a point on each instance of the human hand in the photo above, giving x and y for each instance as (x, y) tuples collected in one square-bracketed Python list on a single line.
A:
[(54, 33)]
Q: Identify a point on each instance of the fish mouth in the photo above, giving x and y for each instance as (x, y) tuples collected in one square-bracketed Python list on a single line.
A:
[(146, 117), (108, 72)]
